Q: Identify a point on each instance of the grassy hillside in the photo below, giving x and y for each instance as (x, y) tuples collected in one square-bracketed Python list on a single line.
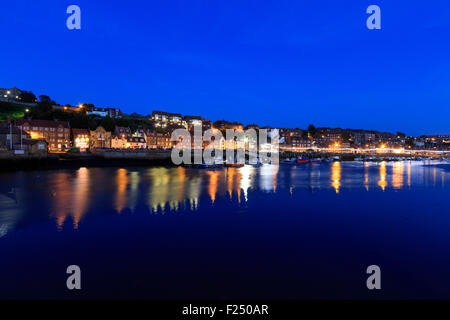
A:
[(12, 110)]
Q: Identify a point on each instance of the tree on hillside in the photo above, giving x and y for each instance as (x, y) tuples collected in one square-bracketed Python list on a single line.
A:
[(27, 96), (219, 124), (345, 136), (410, 142), (311, 130), (304, 134), (123, 122), (88, 107), (44, 98), (43, 109), (108, 123)]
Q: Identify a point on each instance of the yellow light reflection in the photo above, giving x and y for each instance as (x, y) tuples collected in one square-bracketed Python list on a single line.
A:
[(159, 189), (134, 188), (61, 195), (434, 176), (121, 193), (382, 182), (336, 170), (230, 176), (81, 196), (212, 186), (397, 175), (409, 173), (366, 175)]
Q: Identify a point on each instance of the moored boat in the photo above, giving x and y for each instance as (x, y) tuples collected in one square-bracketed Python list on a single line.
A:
[(234, 165), (302, 160)]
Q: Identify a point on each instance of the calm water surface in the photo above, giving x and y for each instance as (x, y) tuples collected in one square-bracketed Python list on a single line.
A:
[(284, 232)]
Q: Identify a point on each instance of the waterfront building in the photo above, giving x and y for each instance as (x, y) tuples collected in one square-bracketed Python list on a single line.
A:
[(56, 133), (118, 141), (122, 131), (135, 143), (10, 136), (80, 138), (329, 136), (436, 142), (293, 138), (141, 133), (33, 146), (100, 138), (158, 140)]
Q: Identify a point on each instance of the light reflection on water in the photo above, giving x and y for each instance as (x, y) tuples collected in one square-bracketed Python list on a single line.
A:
[(336, 175), (73, 194)]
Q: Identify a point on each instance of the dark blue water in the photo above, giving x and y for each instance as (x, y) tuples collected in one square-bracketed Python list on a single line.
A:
[(275, 232)]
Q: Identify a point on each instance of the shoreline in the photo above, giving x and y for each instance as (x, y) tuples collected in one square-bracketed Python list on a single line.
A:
[(66, 161), (73, 161), (56, 164)]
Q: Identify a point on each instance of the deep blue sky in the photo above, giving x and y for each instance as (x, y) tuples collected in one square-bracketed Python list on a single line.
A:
[(280, 63)]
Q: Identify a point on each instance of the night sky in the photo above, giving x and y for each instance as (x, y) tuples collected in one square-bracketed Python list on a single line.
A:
[(279, 63)]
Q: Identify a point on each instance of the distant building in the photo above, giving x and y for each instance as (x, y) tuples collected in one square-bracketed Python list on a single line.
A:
[(223, 125), (293, 138), (114, 113), (163, 119), (206, 124), (12, 94), (56, 133), (106, 112), (328, 136), (192, 121), (68, 108)]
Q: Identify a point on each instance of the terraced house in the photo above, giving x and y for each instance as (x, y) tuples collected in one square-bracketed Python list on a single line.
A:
[(56, 133)]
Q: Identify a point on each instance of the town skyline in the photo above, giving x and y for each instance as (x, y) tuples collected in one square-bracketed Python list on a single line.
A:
[(293, 63), (228, 119), (86, 126)]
